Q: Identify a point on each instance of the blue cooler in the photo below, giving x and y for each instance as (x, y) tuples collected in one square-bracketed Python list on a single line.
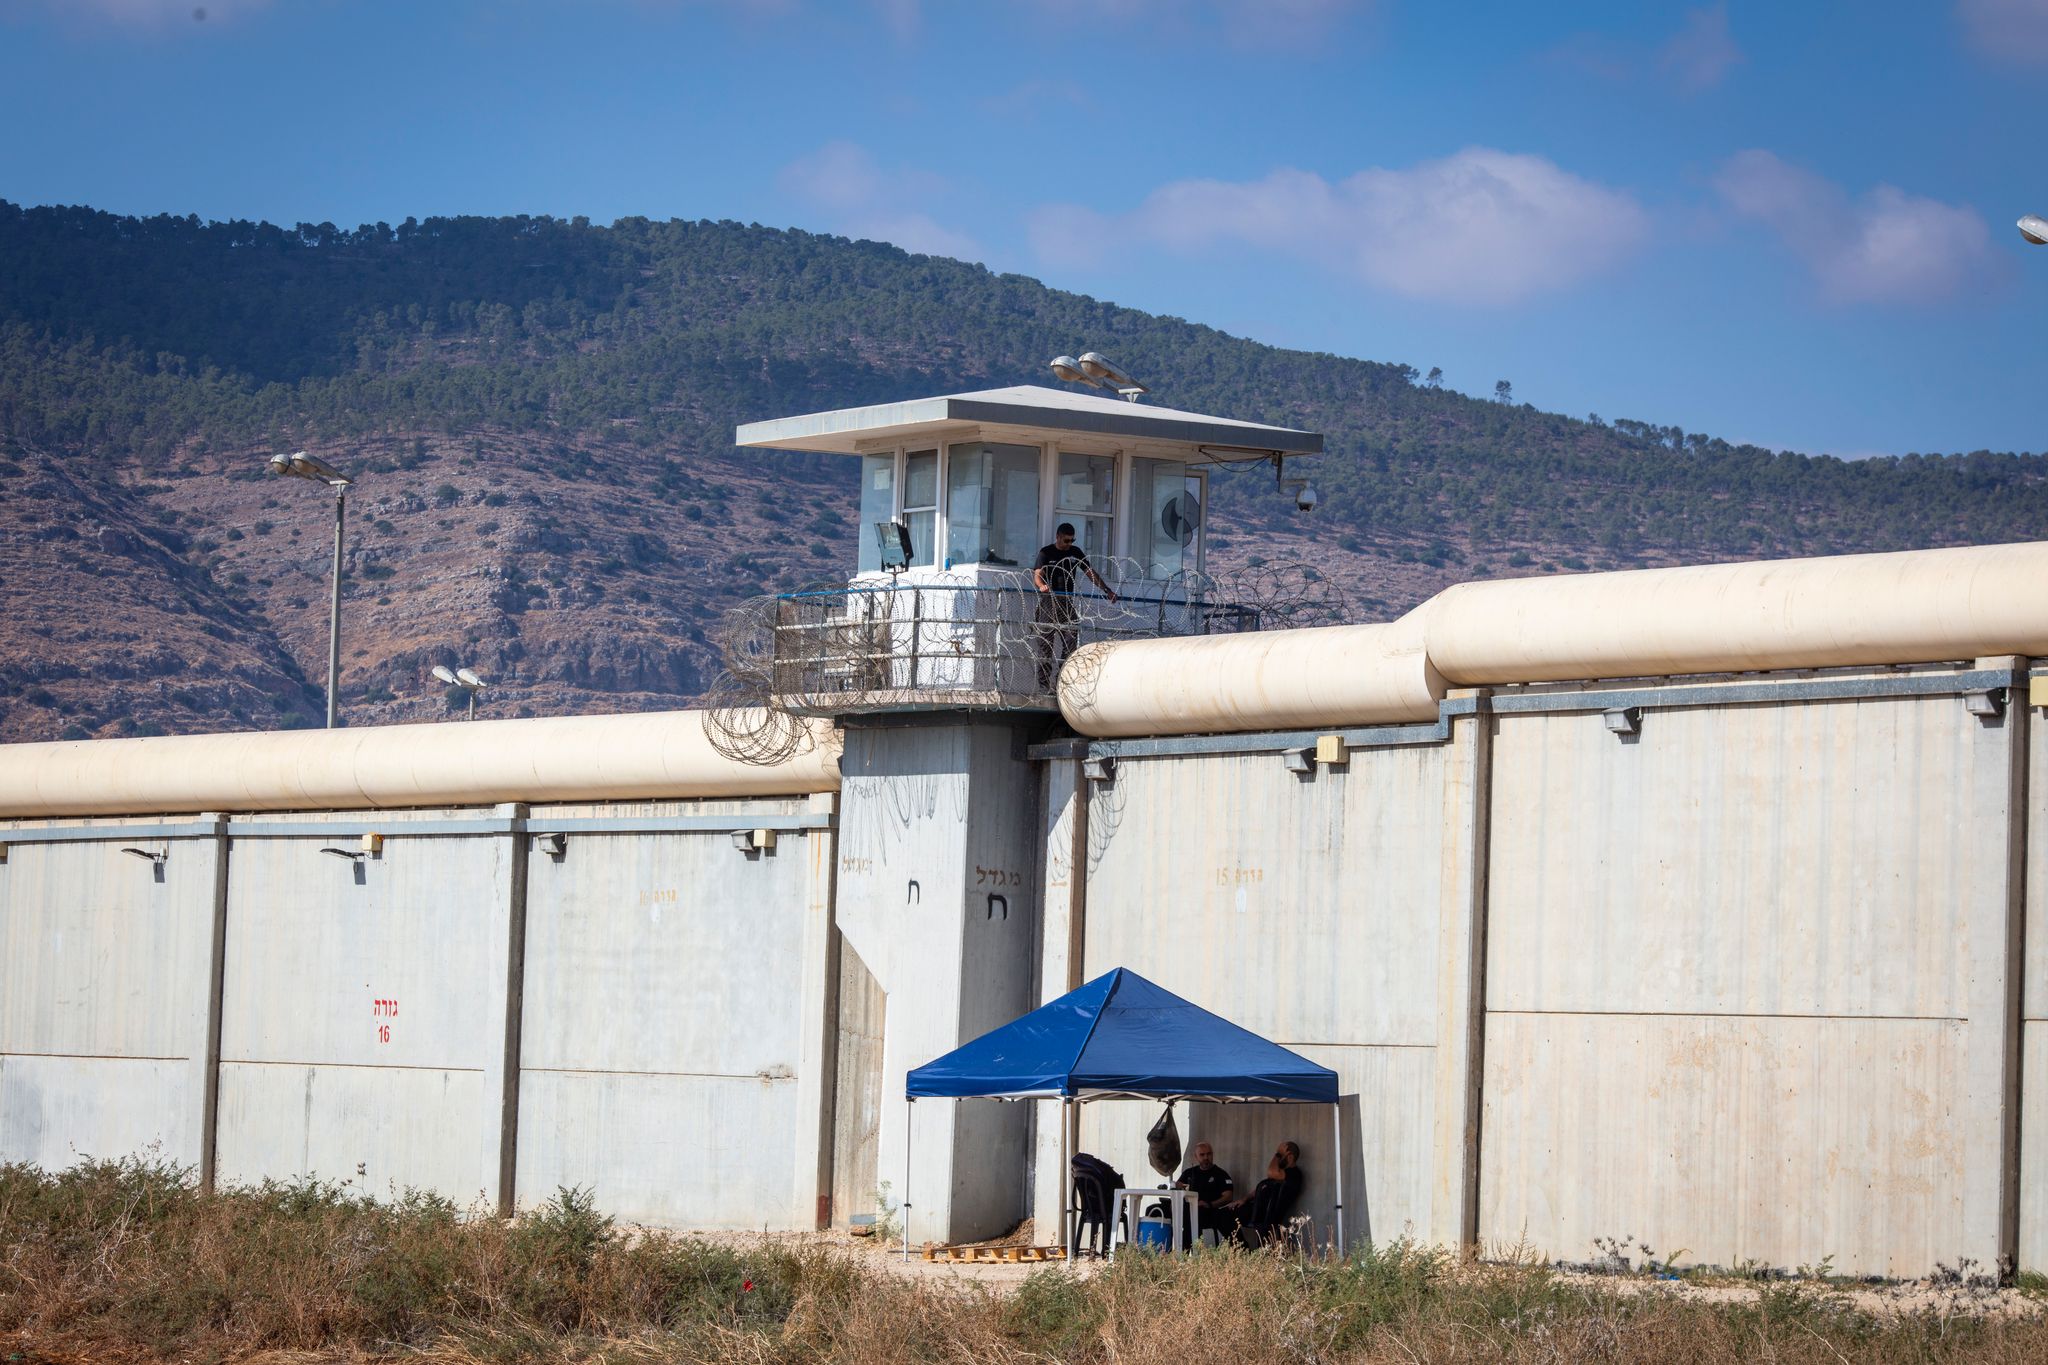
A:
[(1155, 1234)]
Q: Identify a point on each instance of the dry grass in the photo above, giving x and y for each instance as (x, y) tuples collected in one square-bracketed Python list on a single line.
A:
[(127, 1262)]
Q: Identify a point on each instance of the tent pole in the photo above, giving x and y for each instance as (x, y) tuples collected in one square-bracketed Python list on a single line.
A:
[(907, 1102), (1066, 1181), (1337, 1129)]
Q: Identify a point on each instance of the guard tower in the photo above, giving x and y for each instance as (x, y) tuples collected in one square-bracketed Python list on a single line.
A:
[(939, 658), (957, 494)]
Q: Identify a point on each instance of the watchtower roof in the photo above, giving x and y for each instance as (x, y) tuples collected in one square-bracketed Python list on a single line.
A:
[(1023, 408)]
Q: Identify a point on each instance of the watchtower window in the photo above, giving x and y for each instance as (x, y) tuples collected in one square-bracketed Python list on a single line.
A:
[(991, 504), (921, 505), (877, 503), (1087, 498)]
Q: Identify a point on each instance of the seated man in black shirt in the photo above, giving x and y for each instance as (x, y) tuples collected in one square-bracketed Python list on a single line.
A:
[(1210, 1182), (1265, 1211), (1058, 626)]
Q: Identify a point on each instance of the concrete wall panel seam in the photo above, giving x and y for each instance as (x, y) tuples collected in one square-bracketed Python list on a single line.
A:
[(216, 961), (1475, 985), (519, 855), (2018, 722)]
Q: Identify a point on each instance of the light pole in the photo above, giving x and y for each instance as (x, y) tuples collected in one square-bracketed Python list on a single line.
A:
[(300, 465), (465, 679)]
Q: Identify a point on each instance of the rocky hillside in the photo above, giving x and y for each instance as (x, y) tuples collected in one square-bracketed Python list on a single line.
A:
[(540, 416)]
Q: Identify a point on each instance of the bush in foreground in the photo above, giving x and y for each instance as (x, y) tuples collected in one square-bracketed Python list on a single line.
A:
[(128, 1260)]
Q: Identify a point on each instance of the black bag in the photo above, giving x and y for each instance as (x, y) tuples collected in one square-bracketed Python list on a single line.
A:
[(1162, 1144)]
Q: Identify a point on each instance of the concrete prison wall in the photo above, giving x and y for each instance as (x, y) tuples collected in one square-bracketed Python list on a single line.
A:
[(674, 1031), (487, 1002), (1746, 982), (1315, 913), (1750, 966), (363, 1001), (107, 990), (1731, 966)]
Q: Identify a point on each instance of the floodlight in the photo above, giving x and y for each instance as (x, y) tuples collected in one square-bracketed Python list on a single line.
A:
[(1623, 720), (304, 466), (2034, 228), (1097, 366), (313, 467), (464, 678), (1986, 705), (1095, 369), (894, 539)]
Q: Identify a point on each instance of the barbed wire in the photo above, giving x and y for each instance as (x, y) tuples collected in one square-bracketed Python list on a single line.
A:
[(987, 638)]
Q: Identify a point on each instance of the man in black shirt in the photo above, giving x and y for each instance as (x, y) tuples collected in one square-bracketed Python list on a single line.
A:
[(1210, 1182), (1058, 627), (1263, 1213)]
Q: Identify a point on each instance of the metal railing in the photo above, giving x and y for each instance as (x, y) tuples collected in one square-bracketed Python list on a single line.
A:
[(986, 640), (836, 649)]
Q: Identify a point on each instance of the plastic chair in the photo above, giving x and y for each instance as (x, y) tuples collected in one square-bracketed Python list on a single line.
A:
[(1094, 1203)]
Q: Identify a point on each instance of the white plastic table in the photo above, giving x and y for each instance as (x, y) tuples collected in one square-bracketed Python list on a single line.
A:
[(1183, 1206)]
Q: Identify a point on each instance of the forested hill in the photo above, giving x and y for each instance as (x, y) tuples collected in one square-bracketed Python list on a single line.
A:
[(541, 412)]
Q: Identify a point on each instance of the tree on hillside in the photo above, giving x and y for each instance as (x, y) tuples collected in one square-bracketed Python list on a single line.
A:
[(1503, 392), (1436, 377)]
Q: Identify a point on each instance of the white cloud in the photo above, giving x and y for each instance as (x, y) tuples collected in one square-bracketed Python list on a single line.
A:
[(862, 199), (1478, 227), (2013, 31), (1884, 247), (1702, 53)]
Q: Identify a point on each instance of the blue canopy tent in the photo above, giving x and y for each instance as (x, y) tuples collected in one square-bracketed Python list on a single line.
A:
[(1122, 1037)]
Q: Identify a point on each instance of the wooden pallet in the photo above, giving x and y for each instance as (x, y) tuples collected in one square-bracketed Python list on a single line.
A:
[(978, 1255)]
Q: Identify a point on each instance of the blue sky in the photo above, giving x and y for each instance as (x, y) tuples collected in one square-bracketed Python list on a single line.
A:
[(1783, 223)]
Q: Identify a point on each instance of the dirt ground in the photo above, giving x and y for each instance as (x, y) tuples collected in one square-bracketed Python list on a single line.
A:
[(1897, 1298)]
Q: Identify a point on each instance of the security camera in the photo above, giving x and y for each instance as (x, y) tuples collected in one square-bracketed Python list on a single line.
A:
[(1304, 494), (2034, 228)]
